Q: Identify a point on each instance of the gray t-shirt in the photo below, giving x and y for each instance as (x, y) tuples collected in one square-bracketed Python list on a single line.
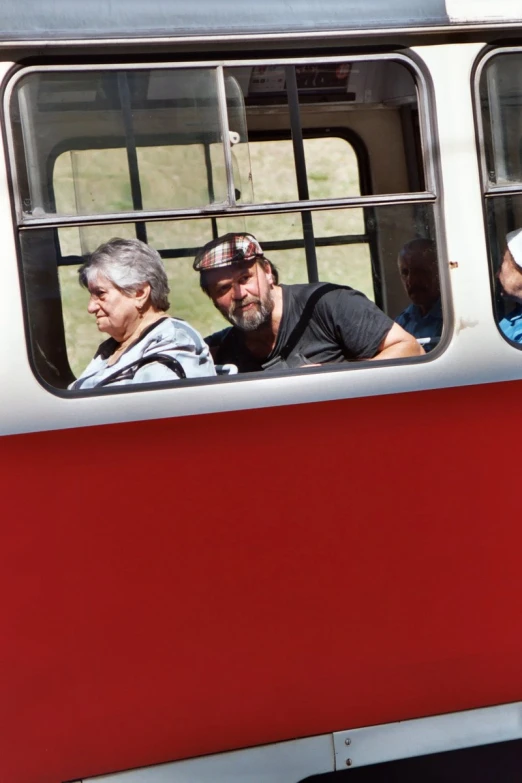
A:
[(322, 323)]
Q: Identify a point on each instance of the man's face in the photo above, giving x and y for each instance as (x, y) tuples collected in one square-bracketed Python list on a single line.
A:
[(242, 293), (510, 277), (420, 277)]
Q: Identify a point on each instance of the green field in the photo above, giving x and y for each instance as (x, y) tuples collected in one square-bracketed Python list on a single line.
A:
[(97, 181)]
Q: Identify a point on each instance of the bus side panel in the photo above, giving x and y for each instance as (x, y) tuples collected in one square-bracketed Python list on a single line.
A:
[(179, 587)]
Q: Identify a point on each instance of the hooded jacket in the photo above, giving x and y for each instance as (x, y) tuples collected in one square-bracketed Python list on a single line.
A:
[(168, 350)]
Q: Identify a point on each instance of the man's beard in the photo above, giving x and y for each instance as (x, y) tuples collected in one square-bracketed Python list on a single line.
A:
[(254, 317)]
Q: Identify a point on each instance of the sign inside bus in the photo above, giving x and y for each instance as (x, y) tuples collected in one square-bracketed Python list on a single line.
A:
[(317, 78)]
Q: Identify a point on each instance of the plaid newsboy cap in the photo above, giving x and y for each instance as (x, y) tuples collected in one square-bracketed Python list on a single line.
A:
[(226, 250)]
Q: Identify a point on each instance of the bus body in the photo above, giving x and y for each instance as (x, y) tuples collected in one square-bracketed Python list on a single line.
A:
[(275, 568)]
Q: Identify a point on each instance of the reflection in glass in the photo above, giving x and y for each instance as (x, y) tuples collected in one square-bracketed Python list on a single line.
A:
[(501, 104), (122, 140)]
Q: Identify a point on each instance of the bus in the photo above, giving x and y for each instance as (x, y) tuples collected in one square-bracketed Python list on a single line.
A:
[(309, 573)]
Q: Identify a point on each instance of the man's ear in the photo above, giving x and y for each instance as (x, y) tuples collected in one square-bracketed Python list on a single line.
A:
[(268, 272)]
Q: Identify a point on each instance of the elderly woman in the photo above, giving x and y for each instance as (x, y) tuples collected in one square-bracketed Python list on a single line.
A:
[(128, 286)]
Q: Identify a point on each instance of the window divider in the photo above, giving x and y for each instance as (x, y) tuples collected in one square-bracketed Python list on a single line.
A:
[(300, 171), (222, 211), (210, 185), (225, 134), (132, 152)]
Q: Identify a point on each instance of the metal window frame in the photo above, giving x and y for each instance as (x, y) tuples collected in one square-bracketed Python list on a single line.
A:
[(232, 208), (132, 150), (428, 143), (226, 212), (490, 190)]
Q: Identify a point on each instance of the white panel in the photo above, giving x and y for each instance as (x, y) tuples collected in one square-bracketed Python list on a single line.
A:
[(291, 762), (476, 353), (284, 762), (421, 737), (483, 10), (475, 334)]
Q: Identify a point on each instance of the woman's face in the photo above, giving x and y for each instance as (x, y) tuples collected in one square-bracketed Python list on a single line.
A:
[(116, 312)]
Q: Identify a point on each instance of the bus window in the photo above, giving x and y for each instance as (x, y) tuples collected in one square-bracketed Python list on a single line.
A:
[(500, 96), (177, 156), (366, 262), (123, 110), (500, 91)]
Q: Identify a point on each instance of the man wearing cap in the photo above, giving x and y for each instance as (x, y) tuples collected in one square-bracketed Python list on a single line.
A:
[(276, 326), (510, 277)]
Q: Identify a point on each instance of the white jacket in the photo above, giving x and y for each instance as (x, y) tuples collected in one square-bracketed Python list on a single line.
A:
[(168, 350)]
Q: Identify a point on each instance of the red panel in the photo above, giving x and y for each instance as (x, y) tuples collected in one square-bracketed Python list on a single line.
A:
[(186, 586)]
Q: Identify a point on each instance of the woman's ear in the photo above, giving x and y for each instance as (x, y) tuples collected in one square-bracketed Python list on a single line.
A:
[(142, 295)]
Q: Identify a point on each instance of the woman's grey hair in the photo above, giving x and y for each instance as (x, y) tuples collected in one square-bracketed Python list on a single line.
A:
[(127, 264)]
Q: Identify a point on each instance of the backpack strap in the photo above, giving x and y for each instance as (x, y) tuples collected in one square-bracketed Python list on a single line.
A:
[(305, 317)]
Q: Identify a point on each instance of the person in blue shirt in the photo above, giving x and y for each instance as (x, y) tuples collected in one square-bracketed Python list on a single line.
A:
[(419, 271), (510, 278)]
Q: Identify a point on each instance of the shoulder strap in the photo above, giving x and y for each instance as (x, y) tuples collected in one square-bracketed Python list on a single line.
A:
[(128, 373), (305, 316)]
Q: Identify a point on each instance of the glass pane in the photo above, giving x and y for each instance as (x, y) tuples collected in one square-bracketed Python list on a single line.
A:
[(331, 164), (347, 265), (332, 168), (396, 230), (88, 181), (505, 251), (345, 110), (273, 171), (501, 106), (339, 222), (271, 227), (96, 142), (181, 176), (119, 140), (84, 239), (64, 336)]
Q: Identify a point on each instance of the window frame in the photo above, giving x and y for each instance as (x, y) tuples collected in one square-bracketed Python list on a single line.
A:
[(429, 196), (430, 192), (490, 191)]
